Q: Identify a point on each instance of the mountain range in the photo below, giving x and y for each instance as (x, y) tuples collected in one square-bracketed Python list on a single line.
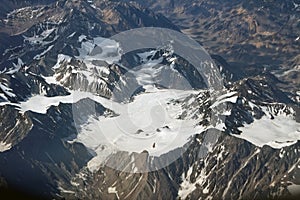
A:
[(66, 100)]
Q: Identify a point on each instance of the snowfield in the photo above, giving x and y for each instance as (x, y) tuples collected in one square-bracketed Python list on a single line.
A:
[(148, 123), (278, 132)]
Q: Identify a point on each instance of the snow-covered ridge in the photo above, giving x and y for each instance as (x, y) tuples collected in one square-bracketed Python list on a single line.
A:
[(44, 35), (79, 75), (99, 48), (7, 91), (16, 67), (37, 57), (278, 132), (227, 97), (276, 128), (90, 70), (4, 146), (150, 122)]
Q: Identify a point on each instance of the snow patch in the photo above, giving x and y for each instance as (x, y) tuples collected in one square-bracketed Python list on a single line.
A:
[(38, 57), (16, 68), (148, 123), (277, 133), (113, 190), (70, 36), (81, 38), (40, 103), (4, 146), (186, 187), (60, 59), (145, 56), (40, 39), (65, 191), (7, 90), (99, 48), (228, 97)]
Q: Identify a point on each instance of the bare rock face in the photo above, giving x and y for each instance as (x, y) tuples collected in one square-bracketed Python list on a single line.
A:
[(249, 35), (243, 32)]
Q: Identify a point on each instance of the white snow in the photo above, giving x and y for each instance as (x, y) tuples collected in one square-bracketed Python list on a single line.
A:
[(278, 132), (39, 39), (297, 96), (86, 48), (40, 103), (152, 67), (296, 68), (150, 114), (252, 105), (71, 35), (228, 97), (97, 49), (110, 50), (60, 59), (145, 75), (146, 55), (4, 146), (7, 90), (238, 172), (112, 190), (47, 32), (220, 155), (206, 190), (10, 14), (51, 79), (65, 191), (91, 73), (16, 68), (296, 5), (186, 187), (281, 153), (3, 97), (134, 188), (81, 38), (74, 183), (37, 57)]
